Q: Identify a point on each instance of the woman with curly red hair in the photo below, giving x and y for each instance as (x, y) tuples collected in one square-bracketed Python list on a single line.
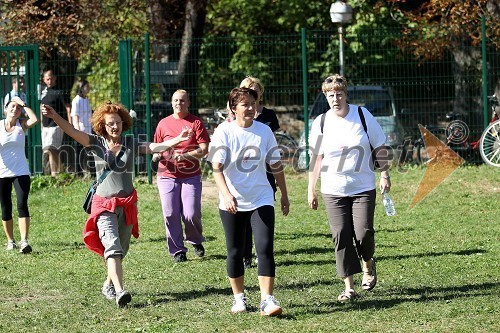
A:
[(113, 216)]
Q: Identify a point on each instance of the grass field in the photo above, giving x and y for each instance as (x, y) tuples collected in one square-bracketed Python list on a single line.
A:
[(437, 265)]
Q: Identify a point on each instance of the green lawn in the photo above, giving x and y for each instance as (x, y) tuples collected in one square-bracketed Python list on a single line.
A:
[(437, 265)]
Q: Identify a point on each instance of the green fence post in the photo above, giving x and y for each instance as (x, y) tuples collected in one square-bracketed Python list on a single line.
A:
[(304, 88), (485, 73), (147, 83), (125, 62)]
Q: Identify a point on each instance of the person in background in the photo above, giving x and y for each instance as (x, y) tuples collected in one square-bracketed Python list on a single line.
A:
[(17, 90), (52, 135), (14, 170), (113, 217), (268, 117), (341, 152), (179, 178), (81, 114), (239, 153)]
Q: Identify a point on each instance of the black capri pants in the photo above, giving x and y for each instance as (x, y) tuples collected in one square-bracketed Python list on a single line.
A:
[(235, 228), (351, 224), (22, 186)]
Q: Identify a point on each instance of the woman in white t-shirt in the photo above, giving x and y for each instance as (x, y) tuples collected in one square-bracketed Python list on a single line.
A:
[(14, 171), (81, 112), (239, 152), (341, 153)]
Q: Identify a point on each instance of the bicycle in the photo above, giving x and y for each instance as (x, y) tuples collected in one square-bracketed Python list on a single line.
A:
[(454, 135), (489, 144)]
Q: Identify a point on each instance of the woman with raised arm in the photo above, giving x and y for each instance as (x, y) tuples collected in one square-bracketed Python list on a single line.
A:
[(113, 218), (14, 170)]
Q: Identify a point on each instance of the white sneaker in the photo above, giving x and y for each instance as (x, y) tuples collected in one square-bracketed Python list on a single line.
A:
[(11, 245), (108, 290), (270, 307), (239, 303), (24, 247)]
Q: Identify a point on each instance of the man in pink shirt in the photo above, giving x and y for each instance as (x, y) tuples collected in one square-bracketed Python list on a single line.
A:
[(179, 178)]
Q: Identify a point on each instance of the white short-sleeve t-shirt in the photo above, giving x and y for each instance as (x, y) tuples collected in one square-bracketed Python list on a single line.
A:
[(345, 168), (244, 153)]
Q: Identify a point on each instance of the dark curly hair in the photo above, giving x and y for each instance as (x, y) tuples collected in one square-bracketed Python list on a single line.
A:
[(98, 123)]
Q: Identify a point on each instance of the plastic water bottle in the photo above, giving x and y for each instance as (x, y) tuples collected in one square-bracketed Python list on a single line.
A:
[(390, 210)]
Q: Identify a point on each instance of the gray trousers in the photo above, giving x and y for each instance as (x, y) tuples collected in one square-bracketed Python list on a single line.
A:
[(351, 224)]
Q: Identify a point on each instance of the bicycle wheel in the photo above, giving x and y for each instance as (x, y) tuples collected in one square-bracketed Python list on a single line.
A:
[(489, 146), (287, 146)]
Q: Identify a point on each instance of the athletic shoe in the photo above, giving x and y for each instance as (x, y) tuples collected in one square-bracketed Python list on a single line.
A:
[(239, 303), (11, 245), (180, 257), (270, 307), (108, 290), (25, 247), (199, 250), (123, 298)]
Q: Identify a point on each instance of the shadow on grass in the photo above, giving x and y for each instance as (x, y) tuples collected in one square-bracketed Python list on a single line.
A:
[(407, 295), (433, 254), (161, 239)]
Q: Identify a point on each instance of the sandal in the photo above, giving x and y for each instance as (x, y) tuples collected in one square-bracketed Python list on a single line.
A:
[(347, 295), (369, 277)]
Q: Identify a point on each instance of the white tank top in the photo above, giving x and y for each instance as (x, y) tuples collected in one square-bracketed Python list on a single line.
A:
[(13, 160)]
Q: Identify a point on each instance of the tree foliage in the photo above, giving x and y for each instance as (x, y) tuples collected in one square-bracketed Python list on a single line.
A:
[(433, 26)]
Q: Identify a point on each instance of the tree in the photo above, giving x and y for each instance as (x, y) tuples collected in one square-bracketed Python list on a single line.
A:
[(434, 27)]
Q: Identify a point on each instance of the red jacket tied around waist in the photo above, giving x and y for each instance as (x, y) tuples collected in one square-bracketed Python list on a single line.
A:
[(101, 205)]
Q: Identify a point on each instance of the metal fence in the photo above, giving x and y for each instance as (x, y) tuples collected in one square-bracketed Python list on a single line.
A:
[(292, 68)]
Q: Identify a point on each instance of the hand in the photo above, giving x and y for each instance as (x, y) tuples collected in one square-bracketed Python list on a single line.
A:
[(312, 200), (230, 204), (285, 205), (18, 101), (156, 157), (47, 111), (384, 185), (185, 134)]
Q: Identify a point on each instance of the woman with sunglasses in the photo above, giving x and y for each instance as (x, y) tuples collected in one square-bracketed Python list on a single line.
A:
[(341, 152), (113, 218), (14, 171)]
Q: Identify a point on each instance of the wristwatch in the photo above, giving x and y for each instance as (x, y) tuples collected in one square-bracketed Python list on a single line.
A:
[(385, 177)]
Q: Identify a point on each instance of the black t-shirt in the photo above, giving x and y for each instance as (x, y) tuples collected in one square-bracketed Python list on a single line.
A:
[(268, 117), (56, 99)]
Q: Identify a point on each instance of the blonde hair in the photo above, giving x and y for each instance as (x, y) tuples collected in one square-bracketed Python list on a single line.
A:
[(182, 91), (250, 81), (334, 82), (98, 123)]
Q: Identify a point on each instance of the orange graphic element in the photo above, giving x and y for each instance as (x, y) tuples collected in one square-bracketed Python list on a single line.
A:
[(442, 162)]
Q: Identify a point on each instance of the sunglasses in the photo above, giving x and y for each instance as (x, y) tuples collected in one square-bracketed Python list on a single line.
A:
[(113, 124), (337, 80)]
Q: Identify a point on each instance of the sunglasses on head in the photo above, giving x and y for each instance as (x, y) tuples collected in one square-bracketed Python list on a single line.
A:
[(337, 80)]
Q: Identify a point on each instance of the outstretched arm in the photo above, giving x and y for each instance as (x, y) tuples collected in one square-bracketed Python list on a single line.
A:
[(79, 136)]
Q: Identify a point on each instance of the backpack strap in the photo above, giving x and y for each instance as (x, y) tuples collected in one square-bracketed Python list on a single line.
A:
[(363, 122), (322, 122)]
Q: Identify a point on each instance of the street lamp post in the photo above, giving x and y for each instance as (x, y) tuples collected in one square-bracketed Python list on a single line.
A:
[(341, 13)]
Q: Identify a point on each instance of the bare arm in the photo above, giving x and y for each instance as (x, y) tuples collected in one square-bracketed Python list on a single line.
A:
[(76, 122), (382, 154), (279, 175), (68, 113), (79, 136), (197, 153), (314, 171), (229, 200), (151, 147), (32, 119)]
